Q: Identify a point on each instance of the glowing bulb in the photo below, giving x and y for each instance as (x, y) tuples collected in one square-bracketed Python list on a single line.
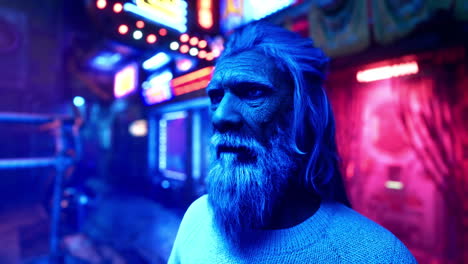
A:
[(184, 48), (165, 184), (78, 101), (216, 53), (118, 7), (83, 199), (209, 57), (193, 51), (194, 41), (184, 65), (138, 128), (163, 32), (174, 45), (202, 54), (140, 24), (123, 29), (137, 34), (151, 38), (202, 44), (184, 38), (101, 4)]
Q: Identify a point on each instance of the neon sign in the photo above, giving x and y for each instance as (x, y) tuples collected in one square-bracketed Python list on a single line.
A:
[(157, 61), (192, 81), (205, 14), (387, 72), (125, 81), (157, 88), (170, 13), (172, 140), (235, 13)]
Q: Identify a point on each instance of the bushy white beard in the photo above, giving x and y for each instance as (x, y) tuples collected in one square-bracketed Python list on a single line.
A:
[(243, 193)]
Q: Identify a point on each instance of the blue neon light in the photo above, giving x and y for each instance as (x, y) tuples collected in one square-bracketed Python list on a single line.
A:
[(159, 79), (258, 9), (163, 144), (156, 62), (237, 13), (106, 60), (196, 144), (157, 88), (177, 23)]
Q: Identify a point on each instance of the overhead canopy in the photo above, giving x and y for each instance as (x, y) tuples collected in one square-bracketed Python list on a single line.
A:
[(346, 27)]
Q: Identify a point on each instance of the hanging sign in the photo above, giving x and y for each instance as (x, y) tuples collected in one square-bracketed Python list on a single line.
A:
[(170, 13)]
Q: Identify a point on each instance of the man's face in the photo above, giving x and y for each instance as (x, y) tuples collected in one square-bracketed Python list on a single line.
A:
[(247, 93), (252, 158)]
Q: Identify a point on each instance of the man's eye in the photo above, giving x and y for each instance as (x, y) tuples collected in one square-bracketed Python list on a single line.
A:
[(254, 92), (216, 96)]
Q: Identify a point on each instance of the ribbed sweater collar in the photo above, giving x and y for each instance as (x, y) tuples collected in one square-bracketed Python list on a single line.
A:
[(291, 239)]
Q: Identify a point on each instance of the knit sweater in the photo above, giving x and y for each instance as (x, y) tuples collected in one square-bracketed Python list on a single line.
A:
[(334, 234)]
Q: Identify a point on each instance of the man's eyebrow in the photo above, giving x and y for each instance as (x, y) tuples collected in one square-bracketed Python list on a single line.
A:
[(236, 83), (240, 84), (211, 86)]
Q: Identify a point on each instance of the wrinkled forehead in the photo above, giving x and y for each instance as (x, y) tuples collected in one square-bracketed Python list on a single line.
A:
[(247, 66)]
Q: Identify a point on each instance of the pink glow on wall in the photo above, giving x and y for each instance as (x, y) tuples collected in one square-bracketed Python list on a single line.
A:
[(387, 72), (385, 137)]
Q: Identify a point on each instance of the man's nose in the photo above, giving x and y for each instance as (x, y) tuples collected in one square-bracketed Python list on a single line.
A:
[(227, 116)]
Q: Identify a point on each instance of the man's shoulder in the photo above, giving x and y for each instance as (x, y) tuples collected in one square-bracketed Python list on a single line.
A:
[(352, 230), (198, 209), (351, 220), (192, 230), (194, 219)]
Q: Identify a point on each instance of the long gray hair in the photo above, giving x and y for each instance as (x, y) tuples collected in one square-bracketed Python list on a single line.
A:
[(313, 124)]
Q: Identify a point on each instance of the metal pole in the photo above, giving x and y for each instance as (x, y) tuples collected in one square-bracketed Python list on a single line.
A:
[(61, 165), (61, 162), (55, 216), (25, 163), (31, 118), (152, 145)]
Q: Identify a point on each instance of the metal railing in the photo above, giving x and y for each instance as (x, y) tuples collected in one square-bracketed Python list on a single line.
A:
[(60, 161)]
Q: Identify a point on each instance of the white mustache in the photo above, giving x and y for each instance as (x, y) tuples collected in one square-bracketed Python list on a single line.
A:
[(236, 144), (229, 140)]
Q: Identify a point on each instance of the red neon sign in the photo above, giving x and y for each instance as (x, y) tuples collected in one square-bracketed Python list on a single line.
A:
[(192, 81), (387, 72)]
